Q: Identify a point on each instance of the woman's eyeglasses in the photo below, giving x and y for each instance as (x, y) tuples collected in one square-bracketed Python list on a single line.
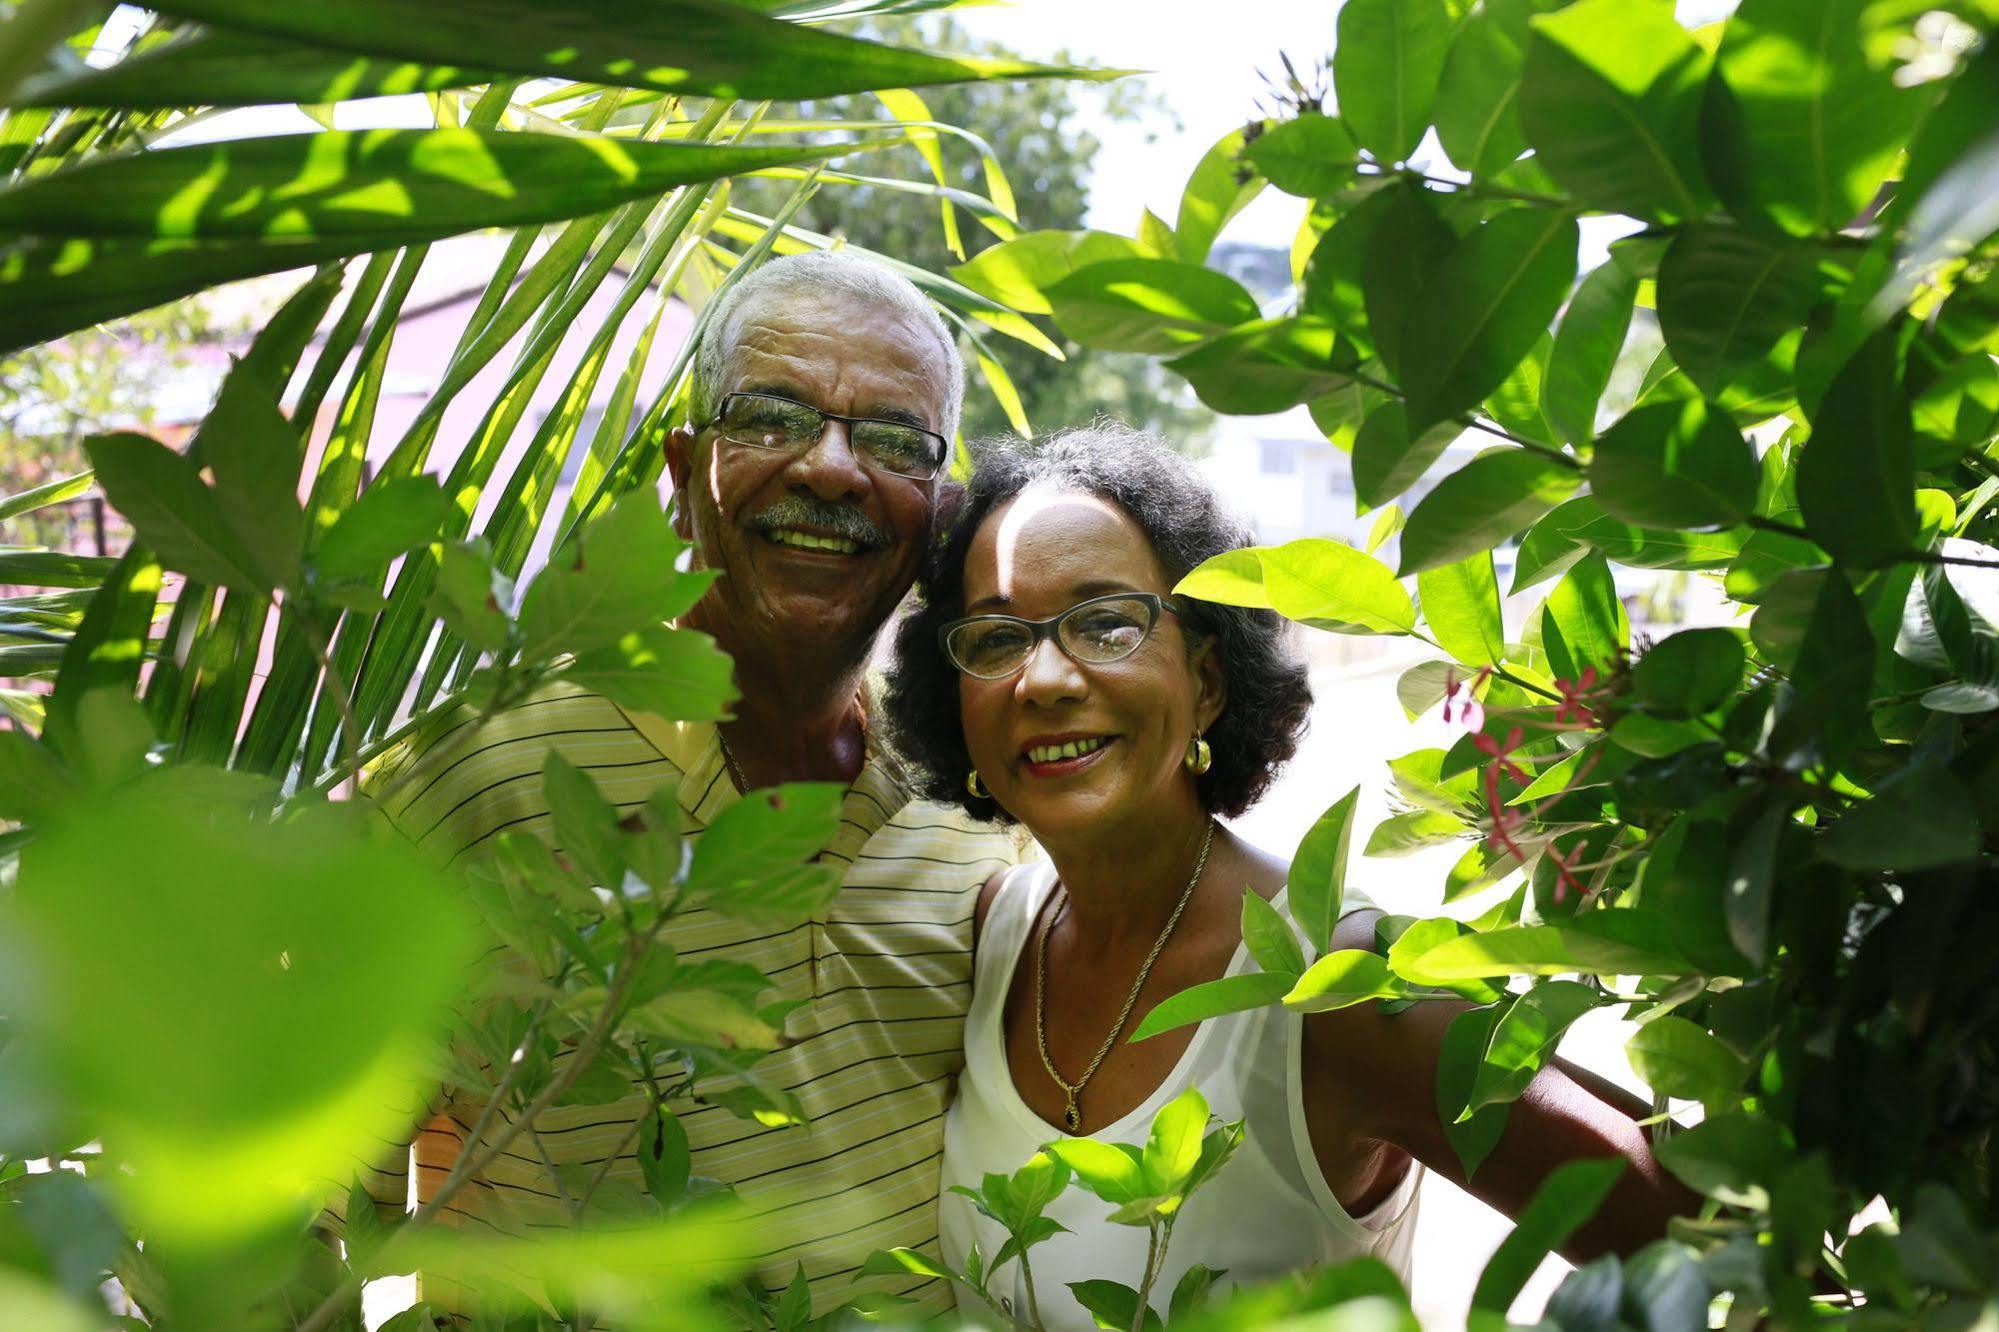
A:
[(766, 421), (1094, 632)]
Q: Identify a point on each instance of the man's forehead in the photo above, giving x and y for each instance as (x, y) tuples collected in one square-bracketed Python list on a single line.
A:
[(837, 340)]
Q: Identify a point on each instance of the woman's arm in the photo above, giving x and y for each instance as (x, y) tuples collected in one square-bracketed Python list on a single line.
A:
[(1371, 1079)]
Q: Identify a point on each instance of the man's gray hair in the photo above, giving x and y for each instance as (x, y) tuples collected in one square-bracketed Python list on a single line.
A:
[(816, 274)]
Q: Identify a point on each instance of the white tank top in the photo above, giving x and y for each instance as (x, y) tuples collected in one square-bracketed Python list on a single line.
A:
[(1268, 1212)]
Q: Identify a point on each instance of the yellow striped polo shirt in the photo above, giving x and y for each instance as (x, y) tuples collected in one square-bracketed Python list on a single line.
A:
[(886, 970)]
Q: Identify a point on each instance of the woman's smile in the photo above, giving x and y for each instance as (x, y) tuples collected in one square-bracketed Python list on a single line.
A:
[(1061, 755)]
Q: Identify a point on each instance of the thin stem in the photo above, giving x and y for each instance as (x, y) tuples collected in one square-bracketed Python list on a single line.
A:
[(1478, 188), (548, 1163), (1152, 1256), (1473, 422), (1762, 524), (1033, 1305)]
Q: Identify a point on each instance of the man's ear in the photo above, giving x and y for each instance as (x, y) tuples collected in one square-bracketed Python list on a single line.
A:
[(1212, 682), (680, 467)]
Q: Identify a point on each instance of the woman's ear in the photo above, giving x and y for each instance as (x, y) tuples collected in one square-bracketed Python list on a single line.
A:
[(1211, 682)]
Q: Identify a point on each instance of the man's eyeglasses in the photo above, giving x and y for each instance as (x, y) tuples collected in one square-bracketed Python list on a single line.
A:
[(1094, 632), (766, 421)]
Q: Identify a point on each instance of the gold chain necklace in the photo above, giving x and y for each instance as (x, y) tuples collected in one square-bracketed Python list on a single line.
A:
[(1072, 1115)]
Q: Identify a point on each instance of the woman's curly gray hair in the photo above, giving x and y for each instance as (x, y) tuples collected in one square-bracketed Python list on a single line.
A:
[(1268, 693)]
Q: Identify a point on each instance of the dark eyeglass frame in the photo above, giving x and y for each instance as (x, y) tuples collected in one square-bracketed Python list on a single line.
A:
[(1052, 628), (941, 452)]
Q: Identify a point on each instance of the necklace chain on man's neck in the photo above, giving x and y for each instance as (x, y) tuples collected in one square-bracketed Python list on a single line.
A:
[(1072, 1114)]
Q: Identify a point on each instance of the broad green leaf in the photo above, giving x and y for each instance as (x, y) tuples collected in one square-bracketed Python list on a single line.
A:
[(665, 1159), (1689, 673), (1310, 156), (904, 1262), (33, 784), (1483, 309), (1407, 833), (1587, 343), (1422, 686), (1567, 1199), (1585, 623), (1342, 979), (1331, 285), (1805, 116), (1190, 1293), (1155, 306), (390, 518), (706, 1018), (1424, 935), (254, 455), (1610, 100), (49, 492), (1919, 817), (1266, 366), (618, 577), (1458, 1061), (1230, 994), (1856, 476), (1675, 465), (1387, 525), (1481, 504), (1516, 403), (1525, 1039), (586, 824), (110, 739), (1478, 120), (675, 46), (1327, 584), (107, 650), (1386, 461), (1387, 58), (1214, 194), (1269, 936), (1113, 1305), (1018, 272), (1110, 1171), (1727, 1157), (1038, 1183), (1680, 1058), (472, 597), (1316, 883), (1731, 302), (1398, 252), (1623, 942), (1460, 604), (162, 496), (1418, 775), (678, 674), (1173, 1146)]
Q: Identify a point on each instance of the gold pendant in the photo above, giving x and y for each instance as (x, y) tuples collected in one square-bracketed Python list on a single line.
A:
[(1072, 1116)]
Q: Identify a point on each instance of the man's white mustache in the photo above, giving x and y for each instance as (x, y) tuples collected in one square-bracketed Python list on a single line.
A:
[(830, 519)]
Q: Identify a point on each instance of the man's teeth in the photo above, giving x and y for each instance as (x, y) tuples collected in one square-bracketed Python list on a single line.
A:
[(1072, 749), (784, 536)]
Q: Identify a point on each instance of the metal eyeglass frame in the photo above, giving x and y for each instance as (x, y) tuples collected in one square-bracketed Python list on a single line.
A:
[(943, 450), (1051, 628)]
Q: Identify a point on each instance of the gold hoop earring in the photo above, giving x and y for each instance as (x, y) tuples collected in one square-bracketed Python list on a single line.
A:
[(1199, 756), (976, 788)]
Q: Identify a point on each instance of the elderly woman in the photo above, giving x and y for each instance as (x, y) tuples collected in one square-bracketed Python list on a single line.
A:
[(1051, 677)]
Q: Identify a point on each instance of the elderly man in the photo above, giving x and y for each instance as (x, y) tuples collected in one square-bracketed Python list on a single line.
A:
[(823, 403)]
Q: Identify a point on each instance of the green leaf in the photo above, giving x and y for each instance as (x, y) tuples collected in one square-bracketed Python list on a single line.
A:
[(1342, 979), (1623, 942), (390, 518), (1113, 1305), (1481, 504), (1731, 303), (665, 1159), (159, 492), (1856, 476), (472, 597), (1038, 1183), (905, 1262), (1690, 673), (1418, 775), (618, 577), (1155, 306), (1230, 994), (34, 784), (1458, 1061), (1398, 251), (1478, 119), (1316, 882), (586, 824), (1190, 1293), (1269, 936), (1018, 273), (50, 492), (1387, 58), (1675, 465), (1589, 1296), (678, 674), (1461, 609), (1112, 1174), (1585, 623), (1309, 157), (1680, 1058), (254, 454), (1213, 195), (1413, 831), (1266, 366), (677, 46), (1525, 1039), (1173, 1146), (1326, 584), (759, 837), (1804, 116), (1587, 344), (1567, 1199), (1484, 308), (1423, 935), (1610, 100), (1730, 1157), (1919, 817), (1386, 461)]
